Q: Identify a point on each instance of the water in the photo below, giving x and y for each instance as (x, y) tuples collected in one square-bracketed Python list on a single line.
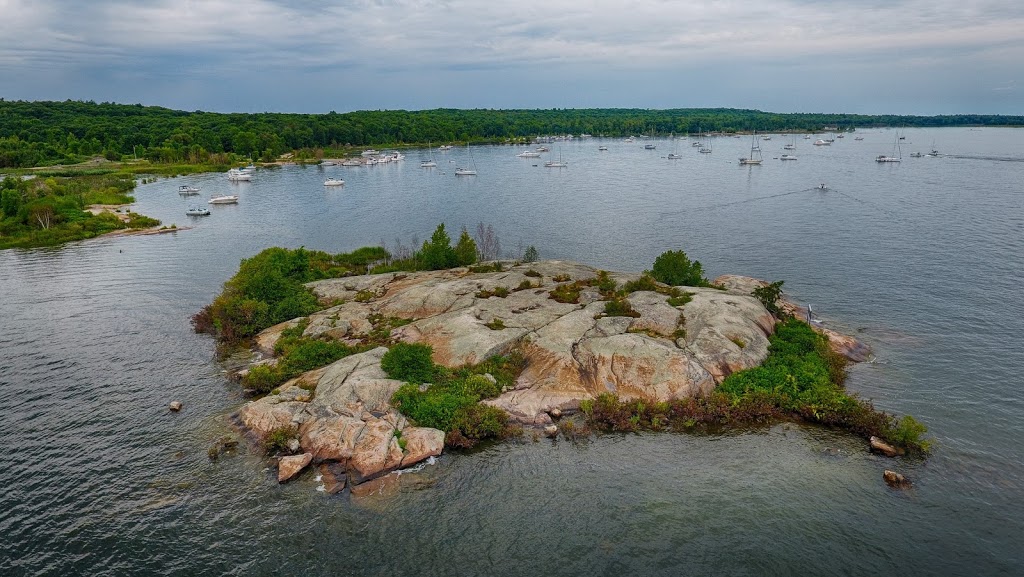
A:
[(922, 259)]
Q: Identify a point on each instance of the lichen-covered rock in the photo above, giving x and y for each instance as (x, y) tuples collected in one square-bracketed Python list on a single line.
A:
[(726, 332)]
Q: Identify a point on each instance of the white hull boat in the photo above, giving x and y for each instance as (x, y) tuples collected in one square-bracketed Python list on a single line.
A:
[(787, 157), (465, 172), (334, 182), (197, 211), (225, 199), (529, 154), (236, 175), (188, 190)]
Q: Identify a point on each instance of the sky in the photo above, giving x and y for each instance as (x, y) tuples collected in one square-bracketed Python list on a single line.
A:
[(855, 56)]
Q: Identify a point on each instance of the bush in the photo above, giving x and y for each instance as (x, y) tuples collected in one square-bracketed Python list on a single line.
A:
[(437, 253), (619, 307), (907, 433), (769, 296), (465, 249), (531, 254), (478, 421), (409, 362), (675, 269), (262, 378), (496, 324), (566, 293), (532, 273)]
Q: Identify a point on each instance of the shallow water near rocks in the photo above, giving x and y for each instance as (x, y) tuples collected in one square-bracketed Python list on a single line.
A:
[(922, 259)]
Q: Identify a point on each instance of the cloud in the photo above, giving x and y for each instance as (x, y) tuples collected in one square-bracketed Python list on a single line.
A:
[(374, 40)]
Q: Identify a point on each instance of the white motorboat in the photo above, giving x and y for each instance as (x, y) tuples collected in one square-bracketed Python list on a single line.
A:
[(188, 190), (428, 164), (224, 199), (674, 156), (445, 147), (649, 147), (251, 168), (197, 211), (465, 172), (334, 182), (787, 157), (916, 155), (807, 137), (236, 175), (821, 142), (858, 138), (352, 162), (543, 149), (602, 148), (630, 139), (328, 163), (529, 154), (370, 152)]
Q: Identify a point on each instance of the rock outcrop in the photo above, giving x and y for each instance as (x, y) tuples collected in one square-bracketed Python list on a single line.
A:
[(341, 413), (288, 467)]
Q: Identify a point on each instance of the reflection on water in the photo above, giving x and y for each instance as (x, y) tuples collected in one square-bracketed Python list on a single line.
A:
[(923, 259)]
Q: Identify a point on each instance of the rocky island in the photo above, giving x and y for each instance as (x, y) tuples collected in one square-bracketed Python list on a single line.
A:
[(579, 341)]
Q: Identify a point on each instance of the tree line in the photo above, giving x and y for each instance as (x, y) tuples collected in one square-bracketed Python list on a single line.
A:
[(45, 133)]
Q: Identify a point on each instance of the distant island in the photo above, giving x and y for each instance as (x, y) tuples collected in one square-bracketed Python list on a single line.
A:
[(368, 363)]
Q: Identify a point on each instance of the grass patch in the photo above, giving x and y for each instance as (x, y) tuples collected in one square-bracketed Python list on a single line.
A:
[(619, 307), (489, 267), (561, 278), (496, 324), (738, 342), (566, 293), (532, 273), (500, 292)]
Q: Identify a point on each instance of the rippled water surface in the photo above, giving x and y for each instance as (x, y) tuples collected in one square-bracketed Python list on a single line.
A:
[(923, 259)]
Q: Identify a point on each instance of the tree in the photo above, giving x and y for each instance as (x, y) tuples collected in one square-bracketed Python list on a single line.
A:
[(437, 253), (465, 249), (675, 269), (530, 254), (769, 296)]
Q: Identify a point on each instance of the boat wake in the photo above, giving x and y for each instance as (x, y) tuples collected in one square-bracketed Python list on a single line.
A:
[(979, 157)]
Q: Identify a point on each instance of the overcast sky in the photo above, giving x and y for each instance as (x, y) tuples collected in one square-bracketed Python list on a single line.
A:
[(874, 56)]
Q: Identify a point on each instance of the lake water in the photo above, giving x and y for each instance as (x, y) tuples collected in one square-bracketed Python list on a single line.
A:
[(923, 259)]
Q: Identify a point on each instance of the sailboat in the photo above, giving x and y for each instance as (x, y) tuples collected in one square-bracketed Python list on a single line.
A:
[(897, 153), (791, 145), (674, 155), (753, 148), (429, 163), (467, 171), (559, 163), (705, 149)]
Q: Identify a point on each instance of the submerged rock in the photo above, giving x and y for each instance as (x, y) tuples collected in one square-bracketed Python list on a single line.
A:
[(175, 406), (880, 446), (896, 480)]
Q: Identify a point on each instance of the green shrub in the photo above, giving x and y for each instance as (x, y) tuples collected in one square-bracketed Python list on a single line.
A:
[(263, 378), (675, 269), (478, 421), (605, 284), (496, 324), (276, 441), (680, 300), (437, 253), (409, 362), (465, 249), (769, 296), (525, 285), (619, 307), (566, 293), (645, 283), (561, 278), (492, 267), (532, 273), (436, 407), (530, 254), (908, 433)]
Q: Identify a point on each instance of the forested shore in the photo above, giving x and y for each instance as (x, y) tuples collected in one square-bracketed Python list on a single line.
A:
[(50, 133)]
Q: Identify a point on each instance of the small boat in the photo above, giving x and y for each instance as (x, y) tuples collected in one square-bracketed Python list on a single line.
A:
[(896, 152), (787, 157), (916, 155), (630, 139), (224, 199), (428, 164), (753, 159), (822, 186), (543, 149), (334, 182), (840, 136), (556, 164), (328, 163), (789, 147), (197, 211), (858, 138), (236, 175), (445, 147), (673, 156), (821, 142), (251, 168), (649, 147), (352, 162), (807, 137), (465, 172), (602, 148), (368, 153), (766, 138), (188, 190), (529, 154)]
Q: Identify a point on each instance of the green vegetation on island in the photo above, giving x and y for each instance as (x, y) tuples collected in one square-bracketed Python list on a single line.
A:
[(52, 210), (802, 378)]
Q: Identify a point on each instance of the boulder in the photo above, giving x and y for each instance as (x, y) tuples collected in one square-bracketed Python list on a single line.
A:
[(332, 475), (376, 452), (880, 446), (895, 480), (331, 436), (421, 443), (551, 431), (288, 467), (726, 332), (175, 406)]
